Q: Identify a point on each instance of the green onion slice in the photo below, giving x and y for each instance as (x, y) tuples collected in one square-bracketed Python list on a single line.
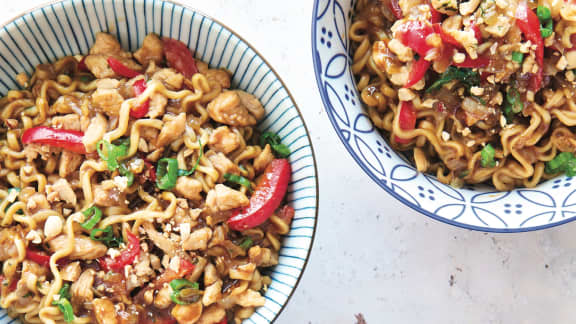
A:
[(111, 153), (517, 57), (237, 179), (95, 215), (186, 172), (247, 243), (487, 156), (63, 303), (280, 150), (107, 237), (125, 172), (543, 13), (183, 288), (563, 162)]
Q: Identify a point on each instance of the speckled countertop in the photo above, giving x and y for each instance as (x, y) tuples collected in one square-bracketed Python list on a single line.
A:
[(374, 256)]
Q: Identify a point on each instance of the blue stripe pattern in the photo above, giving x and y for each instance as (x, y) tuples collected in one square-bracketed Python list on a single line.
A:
[(68, 27)]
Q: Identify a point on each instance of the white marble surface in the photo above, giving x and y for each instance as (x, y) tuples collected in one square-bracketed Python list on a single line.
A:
[(373, 255)]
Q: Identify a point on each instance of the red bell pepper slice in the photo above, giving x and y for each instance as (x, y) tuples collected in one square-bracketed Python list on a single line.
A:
[(121, 69), (477, 32), (480, 62), (82, 65), (69, 140), (406, 119), (446, 38), (529, 24), (266, 197), (126, 257), (141, 111), (186, 268), (435, 15), (179, 57), (40, 258), (417, 72), (413, 34), (395, 8)]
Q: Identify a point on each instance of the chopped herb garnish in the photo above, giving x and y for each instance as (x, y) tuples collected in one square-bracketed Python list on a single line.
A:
[(247, 243), (487, 156), (280, 150), (517, 57), (63, 303), (563, 162), (546, 23), (465, 76), (513, 104), (107, 236)]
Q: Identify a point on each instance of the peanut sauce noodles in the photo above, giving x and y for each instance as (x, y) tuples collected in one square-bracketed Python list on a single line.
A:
[(135, 188), (477, 91)]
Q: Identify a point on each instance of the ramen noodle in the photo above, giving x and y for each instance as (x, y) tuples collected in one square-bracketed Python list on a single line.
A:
[(136, 189), (475, 91)]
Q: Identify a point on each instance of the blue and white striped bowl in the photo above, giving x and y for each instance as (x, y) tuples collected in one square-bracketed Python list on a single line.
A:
[(68, 27)]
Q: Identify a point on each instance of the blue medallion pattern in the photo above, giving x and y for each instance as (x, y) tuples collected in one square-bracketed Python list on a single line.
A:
[(473, 207), (68, 27)]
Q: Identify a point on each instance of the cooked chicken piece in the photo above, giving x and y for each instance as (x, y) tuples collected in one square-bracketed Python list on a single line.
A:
[(189, 188), (212, 314), (69, 121), (69, 162), (218, 76), (37, 202), (210, 275), (224, 140), (31, 151), (187, 314), (107, 194), (262, 257), (171, 79), (157, 105), (173, 128), (222, 198), (107, 97), (212, 293), (152, 50), (222, 163), (250, 298), (61, 190), (71, 271), (84, 247), (98, 65), (243, 271), (81, 290), (236, 108), (7, 247), (95, 132), (262, 160), (162, 299), (66, 104), (198, 240), (108, 45), (162, 242), (104, 311)]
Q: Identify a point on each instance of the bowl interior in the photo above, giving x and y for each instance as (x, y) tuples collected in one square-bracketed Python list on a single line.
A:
[(475, 207), (68, 27)]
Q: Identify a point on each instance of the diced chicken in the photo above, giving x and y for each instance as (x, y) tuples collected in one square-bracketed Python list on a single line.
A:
[(212, 293), (189, 188), (173, 128), (501, 27), (98, 65), (142, 268), (198, 240), (262, 160), (95, 132), (250, 298), (107, 194), (162, 242), (61, 190), (66, 104), (31, 151), (106, 44), (7, 238), (224, 140), (236, 108), (104, 311), (222, 198), (81, 290), (212, 314), (107, 97), (218, 76), (403, 52), (84, 247), (222, 163), (262, 256), (69, 162), (152, 50), (171, 79), (71, 271), (162, 299), (157, 105), (69, 121), (243, 271), (187, 314), (37, 202), (210, 274)]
